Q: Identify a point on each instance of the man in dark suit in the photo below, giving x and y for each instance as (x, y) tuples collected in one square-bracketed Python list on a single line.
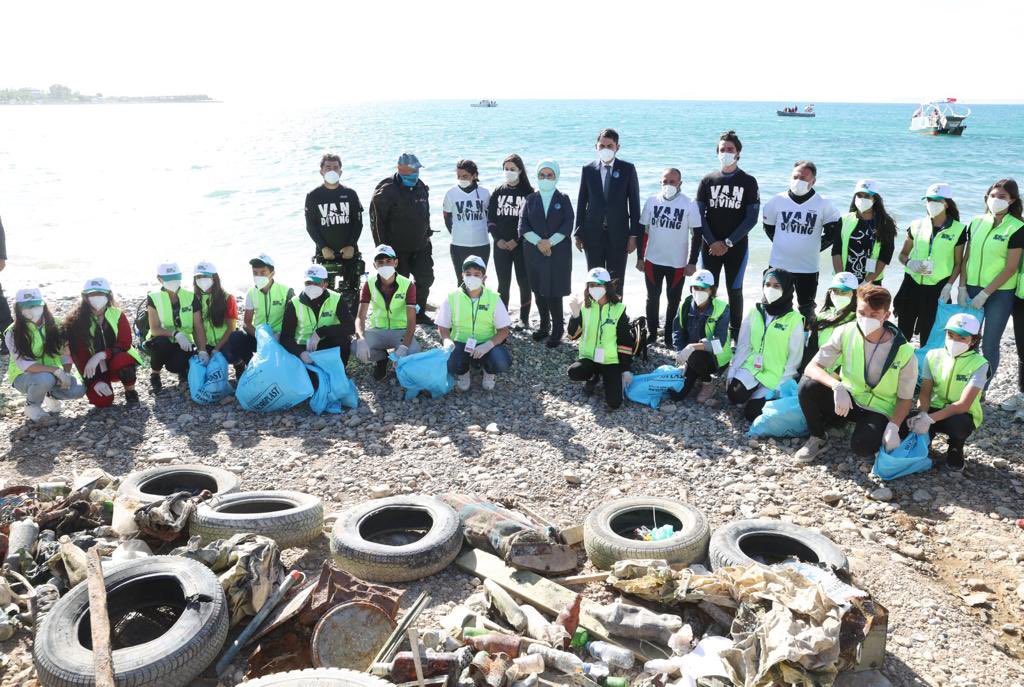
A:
[(608, 210)]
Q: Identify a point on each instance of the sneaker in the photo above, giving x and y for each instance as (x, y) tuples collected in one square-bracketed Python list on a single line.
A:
[(488, 381), (131, 397), (707, 391), (541, 334), (1013, 403), (36, 413), (380, 369), (553, 341), (955, 459), (52, 405), (811, 449), (463, 382), (155, 384)]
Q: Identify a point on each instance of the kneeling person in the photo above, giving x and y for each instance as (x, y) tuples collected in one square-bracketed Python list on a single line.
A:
[(700, 337), (265, 303), (390, 300), (317, 319)]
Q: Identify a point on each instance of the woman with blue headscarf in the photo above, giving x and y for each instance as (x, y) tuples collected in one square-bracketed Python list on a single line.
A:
[(545, 225)]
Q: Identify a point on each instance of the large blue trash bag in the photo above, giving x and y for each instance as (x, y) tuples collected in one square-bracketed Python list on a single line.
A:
[(650, 388), (426, 371), (937, 336), (909, 457), (781, 416), (209, 383), (334, 390), (275, 379)]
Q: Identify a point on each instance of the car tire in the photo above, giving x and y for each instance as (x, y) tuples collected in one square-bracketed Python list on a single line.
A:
[(319, 677), (290, 518), (744, 542), (605, 529)]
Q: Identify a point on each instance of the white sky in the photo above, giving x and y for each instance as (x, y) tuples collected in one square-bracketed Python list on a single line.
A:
[(330, 52)]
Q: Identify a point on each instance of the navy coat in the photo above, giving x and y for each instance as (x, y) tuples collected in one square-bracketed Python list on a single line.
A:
[(549, 276), (620, 212)]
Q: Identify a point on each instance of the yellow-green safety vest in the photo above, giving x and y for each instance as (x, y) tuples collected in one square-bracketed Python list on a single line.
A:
[(718, 307), (881, 397), (307, 322), (38, 344), (165, 311), (941, 250), (987, 250), (772, 346), (600, 329), (825, 334), (268, 308), (849, 224), (389, 316), (950, 377), (472, 320), (213, 332), (113, 317)]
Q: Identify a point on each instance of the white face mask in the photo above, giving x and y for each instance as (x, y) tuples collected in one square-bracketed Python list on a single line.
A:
[(840, 302), (204, 284), (868, 325), (772, 293), (172, 286), (33, 314), (606, 155), (700, 297), (472, 283), (385, 272), (997, 205), (956, 348), (511, 175), (864, 204), (596, 292), (934, 208), (799, 187), (726, 159), (332, 177), (668, 191), (97, 302), (260, 281), (465, 183), (313, 291)]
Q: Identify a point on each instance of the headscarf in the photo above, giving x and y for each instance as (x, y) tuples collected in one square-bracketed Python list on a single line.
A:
[(785, 303), (546, 196)]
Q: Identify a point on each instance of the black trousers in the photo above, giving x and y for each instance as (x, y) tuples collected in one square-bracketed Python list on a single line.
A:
[(673, 279), (552, 318), (600, 254), (504, 262), (741, 395), (420, 265), (806, 290), (1018, 334), (165, 352), (699, 368), (956, 427), (915, 306), (345, 277), (585, 370), (735, 264), (819, 408), (5, 312), (459, 255)]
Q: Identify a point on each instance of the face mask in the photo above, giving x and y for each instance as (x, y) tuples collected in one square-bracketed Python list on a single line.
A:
[(33, 314), (864, 204), (465, 183), (956, 348), (726, 159), (409, 179), (841, 301), (701, 297), (868, 325), (799, 187), (172, 285), (606, 155), (332, 177), (204, 284), (472, 283), (97, 302), (597, 292), (313, 291), (935, 208), (997, 205), (546, 185), (772, 293), (511, 176), (668, 191), (260, 281), (385, 272)]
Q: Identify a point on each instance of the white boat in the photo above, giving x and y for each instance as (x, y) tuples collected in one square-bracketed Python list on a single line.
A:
[(939, 118), (485, 103), (796, 112)]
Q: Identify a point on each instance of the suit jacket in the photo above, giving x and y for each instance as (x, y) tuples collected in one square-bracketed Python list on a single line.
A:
[(548, 276), (620, 212)]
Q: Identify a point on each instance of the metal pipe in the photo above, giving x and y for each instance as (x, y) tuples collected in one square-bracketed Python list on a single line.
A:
[(293, 578)]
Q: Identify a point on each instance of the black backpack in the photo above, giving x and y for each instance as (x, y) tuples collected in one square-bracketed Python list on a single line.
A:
[(142, 324), (639, 328)]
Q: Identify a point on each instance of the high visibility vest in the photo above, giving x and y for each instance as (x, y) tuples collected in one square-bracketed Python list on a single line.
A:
[(941, 249), (472, 320), (307, 321), (268, 308), (389, 316), (165, 311), (718, 307), (881, 397), (849, 224), (113, 317), (950, 377), (987, 250), (826, 333), (38, 345), (600, 331), (772, 346), (213, 332)]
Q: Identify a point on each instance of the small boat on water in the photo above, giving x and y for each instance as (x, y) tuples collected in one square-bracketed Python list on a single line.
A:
[(796, 111), (485, 103), (939, 118)]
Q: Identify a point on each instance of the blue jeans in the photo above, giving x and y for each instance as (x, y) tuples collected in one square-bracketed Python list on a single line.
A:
[(36, 385), (496, 361), (997, 313)]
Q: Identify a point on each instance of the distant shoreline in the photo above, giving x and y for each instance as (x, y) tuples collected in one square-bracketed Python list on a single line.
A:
[(153, 100)]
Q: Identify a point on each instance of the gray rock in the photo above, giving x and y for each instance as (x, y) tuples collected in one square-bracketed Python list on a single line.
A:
[(831, 497), (921, 495), (571, 477), (380, 491), (882, 494)]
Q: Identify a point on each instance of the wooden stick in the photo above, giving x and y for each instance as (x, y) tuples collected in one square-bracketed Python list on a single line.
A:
[(103, 659), (572, 580), (414, 643)]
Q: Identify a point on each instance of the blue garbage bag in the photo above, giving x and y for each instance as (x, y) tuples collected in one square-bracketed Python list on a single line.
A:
[(426, 371), (334, 390), (909, 457), (937, 336), (275, 379), (209, 383), (781, 416), (650, 388)]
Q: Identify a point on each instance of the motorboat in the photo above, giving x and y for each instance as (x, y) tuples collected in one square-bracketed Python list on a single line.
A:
[(940, 118), (795, 111), (485, 103)]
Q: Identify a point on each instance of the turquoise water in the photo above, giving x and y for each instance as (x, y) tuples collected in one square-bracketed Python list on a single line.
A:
[(115, 189)]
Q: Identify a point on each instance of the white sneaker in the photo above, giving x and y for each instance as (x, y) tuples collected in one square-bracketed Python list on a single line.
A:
[(811, 449), (463, 382), (35, 413), (488, 381), (1013, 403), (52, 405)]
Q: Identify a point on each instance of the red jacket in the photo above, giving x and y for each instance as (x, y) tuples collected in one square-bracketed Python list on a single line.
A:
[(81, 351)]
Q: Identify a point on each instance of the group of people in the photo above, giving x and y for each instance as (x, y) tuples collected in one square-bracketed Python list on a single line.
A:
[(849, 348)]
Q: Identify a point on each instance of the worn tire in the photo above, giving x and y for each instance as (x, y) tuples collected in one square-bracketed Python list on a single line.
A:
[(605, 545), (731, 544), (172, 659), (290, 518), (319, 677), (379, 562), (152, 484)]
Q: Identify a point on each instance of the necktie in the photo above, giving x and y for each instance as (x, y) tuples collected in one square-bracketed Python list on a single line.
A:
[(606, 178)]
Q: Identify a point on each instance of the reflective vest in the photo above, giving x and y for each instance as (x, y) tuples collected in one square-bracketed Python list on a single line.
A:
[(213, 332), (718, 307), (849, 224), (881, 397), (113, 317), (941, 249), (389, 316), (165, 311), (268, 308), (772, 347), (987, 250), (950, 377), (825, 334), (38, 344), (600, 330), (472, 320), (307, 321)]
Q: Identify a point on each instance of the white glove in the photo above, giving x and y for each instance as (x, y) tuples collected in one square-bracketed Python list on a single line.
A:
[(362, 351), (979, 300), (627, 379), (183, 342), (306, 357), (204, 357), (920, 423), (575, 305), (891, 437), (961, 296), (401, 351), (946, 294), (483, 349), (64, 380), (103, 389), (94, 363), (448, 345), (916, 266), (312, 342), (684, 355), (843, 401)]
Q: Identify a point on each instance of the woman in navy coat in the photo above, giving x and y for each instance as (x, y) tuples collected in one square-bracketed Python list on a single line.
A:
[(545, 226)]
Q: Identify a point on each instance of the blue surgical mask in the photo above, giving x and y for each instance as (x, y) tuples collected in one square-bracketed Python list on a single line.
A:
[(546, 185), (410, 179)]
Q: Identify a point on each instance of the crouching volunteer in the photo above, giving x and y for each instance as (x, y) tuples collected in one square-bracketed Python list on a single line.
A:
[(317, 319), (39, 366), (474, 323), (770, 345), (700, 337), (171, 337), (265, 303), (390, 300), (100, 339), (216, 313), (875, 385), (606, 341), (840, 308), (952, 380)]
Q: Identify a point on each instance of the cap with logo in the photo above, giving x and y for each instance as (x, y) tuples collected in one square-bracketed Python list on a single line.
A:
[(963, 324), (938, 192), (703, 278), (598, 275), (262, 260), (867, 186), (28, 298), (409, 160), (384, 249), (96, 285), (316, 273), (206, 268), (474, 261), (168, 270), (844, 281)]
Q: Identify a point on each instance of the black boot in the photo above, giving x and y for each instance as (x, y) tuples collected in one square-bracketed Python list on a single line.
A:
[(955, 458), (380, 369), (155, 385)]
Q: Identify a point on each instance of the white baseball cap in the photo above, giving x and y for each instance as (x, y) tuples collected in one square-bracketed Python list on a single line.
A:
[(867, 186), (937, 191), (384, 249), (168, 269), (474, 261), (96, 284), (261, 260), (963, 324), (316, 273), (703, 278), (845, 281), (599, 275), (205, 267), (27, 298)]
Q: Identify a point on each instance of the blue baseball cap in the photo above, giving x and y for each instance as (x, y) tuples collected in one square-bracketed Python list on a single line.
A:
[(409, 160)]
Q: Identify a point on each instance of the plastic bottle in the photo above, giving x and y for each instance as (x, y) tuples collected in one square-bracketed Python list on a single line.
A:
[(615, 682), (579, 638), (569, 617), (496, 643), (525, 665), (468, 632), (559, 660), (611, 654), (22, 538), (403, 669)]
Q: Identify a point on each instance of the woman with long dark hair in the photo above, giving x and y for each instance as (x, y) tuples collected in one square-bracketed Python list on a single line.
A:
[(465, 214), (840, 308), (503, 212), (216, 313), (867, 236)]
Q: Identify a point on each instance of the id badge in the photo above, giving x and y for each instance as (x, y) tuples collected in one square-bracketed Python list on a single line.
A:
[(470, 345), (870, 264), (758, 361), (599, 355)]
